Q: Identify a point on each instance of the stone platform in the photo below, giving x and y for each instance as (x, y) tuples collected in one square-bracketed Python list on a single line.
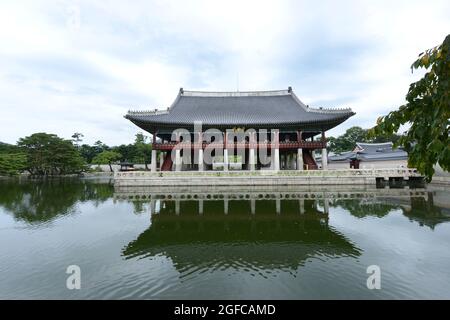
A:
[(264, 178)]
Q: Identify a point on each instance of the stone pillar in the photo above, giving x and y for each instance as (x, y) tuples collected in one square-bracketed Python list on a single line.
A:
[(293, 161), (301, 204), (177, 160), (200, 152), (326, 206), (225, 204), (324, 159), (161, 160), (200, 159), (153, 206), (177, 207), (200, 206), (225, 158), (253, 206), (251, 152), (324, 152), (278, 205), (225, 151), (251, 160), (153, 164), (299, 159), (276, 160), (275, 152)]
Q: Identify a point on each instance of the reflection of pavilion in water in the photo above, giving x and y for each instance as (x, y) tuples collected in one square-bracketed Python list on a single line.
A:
[(280, 227), (277, 193), (197, 234)]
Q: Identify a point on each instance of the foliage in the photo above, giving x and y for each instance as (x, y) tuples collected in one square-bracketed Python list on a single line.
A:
[(12, 163), (143, 150), (427, 111), (77, 138), (45, 200), (47, 154), (8, 148), (107, 157)]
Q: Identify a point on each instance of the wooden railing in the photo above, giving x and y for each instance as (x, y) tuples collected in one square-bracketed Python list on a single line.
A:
[(242, 145)]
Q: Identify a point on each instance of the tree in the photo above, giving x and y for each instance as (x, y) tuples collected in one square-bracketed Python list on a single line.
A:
[(427, 112), (8, 148), (77, 138), (107, 157), (12, 164), (143, 150), (47, 154), (88, 152), (347, 141), (100, 146)]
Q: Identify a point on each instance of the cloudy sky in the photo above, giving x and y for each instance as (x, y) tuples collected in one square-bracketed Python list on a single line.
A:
[(78, 66)]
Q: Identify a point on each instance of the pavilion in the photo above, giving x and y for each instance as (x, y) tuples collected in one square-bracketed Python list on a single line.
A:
[(275, 120)]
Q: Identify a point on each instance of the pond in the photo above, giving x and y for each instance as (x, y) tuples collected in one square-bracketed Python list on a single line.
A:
[(221, 243)]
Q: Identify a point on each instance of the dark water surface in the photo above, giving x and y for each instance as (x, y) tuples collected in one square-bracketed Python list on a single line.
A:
[(287, 243)]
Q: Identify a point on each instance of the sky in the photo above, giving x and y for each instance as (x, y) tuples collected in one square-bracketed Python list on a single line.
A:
[(79, 66)]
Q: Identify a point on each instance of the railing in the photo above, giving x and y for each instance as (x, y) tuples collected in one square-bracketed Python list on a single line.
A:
[(242, 145), (381, 173), (267, 193)]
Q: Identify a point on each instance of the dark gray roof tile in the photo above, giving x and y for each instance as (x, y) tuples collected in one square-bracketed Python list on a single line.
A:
[(239, 108)]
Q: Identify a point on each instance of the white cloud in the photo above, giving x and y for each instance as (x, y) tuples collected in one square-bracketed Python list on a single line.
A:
[(71, 66)]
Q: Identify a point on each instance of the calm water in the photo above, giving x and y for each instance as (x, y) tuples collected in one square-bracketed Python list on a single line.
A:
[(219, 243)]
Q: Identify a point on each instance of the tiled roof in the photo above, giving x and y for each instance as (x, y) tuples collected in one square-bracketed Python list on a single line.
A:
[(239, 108), (372, 152)]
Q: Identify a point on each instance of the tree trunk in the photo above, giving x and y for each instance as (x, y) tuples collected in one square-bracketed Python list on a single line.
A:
[(110, 167)]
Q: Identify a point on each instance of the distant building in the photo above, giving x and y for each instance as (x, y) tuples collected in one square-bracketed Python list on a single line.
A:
[(371, 155)]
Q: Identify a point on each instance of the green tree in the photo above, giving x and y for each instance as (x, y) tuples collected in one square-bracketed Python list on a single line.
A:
[(77, 138), (47, 154), (88, 152), (12, 164), (100, 146), (8, 148), (427, 112), (347, 141), (143, 150), (107, 157)]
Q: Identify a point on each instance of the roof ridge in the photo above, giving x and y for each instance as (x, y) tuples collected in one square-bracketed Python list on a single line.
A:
[(375, 143), (261, 93), (307, 108)]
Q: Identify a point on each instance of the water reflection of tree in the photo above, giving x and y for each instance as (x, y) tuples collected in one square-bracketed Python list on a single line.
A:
[(238, 239), (425, 213), (44, 200), (362, 208), (418, 209)]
